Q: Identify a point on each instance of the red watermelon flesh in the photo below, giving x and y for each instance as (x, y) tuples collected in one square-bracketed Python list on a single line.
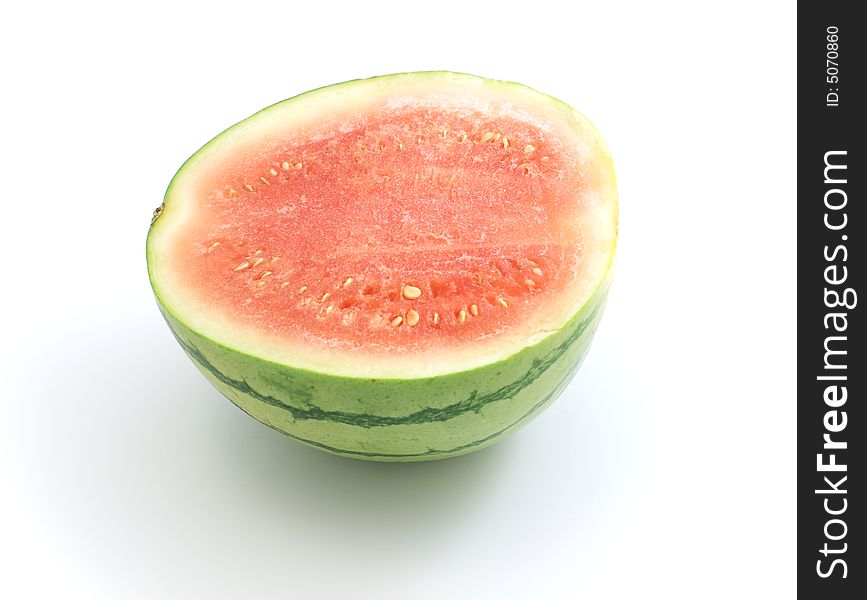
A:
[(398, 229)]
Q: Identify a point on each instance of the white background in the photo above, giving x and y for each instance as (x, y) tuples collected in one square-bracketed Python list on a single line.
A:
[(666, 470)]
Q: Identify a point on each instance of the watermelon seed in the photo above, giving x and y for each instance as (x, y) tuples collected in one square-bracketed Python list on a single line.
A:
[(329, 309), (260, 284), (505, 142), (265, 274), (538, 271), (284, 284), (530, 283), (263, 180), (503, 302), (212, 246), (273, 172), (298, 166), (232, 193), (242, 266), (412, 318), (275, 259), (462, 316), (529, 148), (463, 138), (436, 318), (348, 282), (545, 158), (487, 136), (258, 252), (324, 296), (400, 146), (410, 292), (257, 262), (285, 166), (474, 310), (303, 289), (395, 322), (248, 187)]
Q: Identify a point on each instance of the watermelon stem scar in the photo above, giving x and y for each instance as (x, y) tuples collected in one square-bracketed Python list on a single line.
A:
[(405, 267), (157, 212)]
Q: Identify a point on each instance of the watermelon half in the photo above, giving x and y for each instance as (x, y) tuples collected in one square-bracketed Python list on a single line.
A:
[(400, 268)]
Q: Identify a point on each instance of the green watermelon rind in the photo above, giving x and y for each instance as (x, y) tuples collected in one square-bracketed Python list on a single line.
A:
[(390, 418), (397, 419)]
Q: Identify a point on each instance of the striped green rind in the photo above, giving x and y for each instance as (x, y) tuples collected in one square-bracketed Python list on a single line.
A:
[(398, 419)]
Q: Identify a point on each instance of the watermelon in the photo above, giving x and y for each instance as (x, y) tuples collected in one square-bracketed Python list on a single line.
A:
[(401, 268)]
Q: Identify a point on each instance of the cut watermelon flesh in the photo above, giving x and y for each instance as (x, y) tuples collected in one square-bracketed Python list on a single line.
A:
[(403, 268), (413, 228)]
